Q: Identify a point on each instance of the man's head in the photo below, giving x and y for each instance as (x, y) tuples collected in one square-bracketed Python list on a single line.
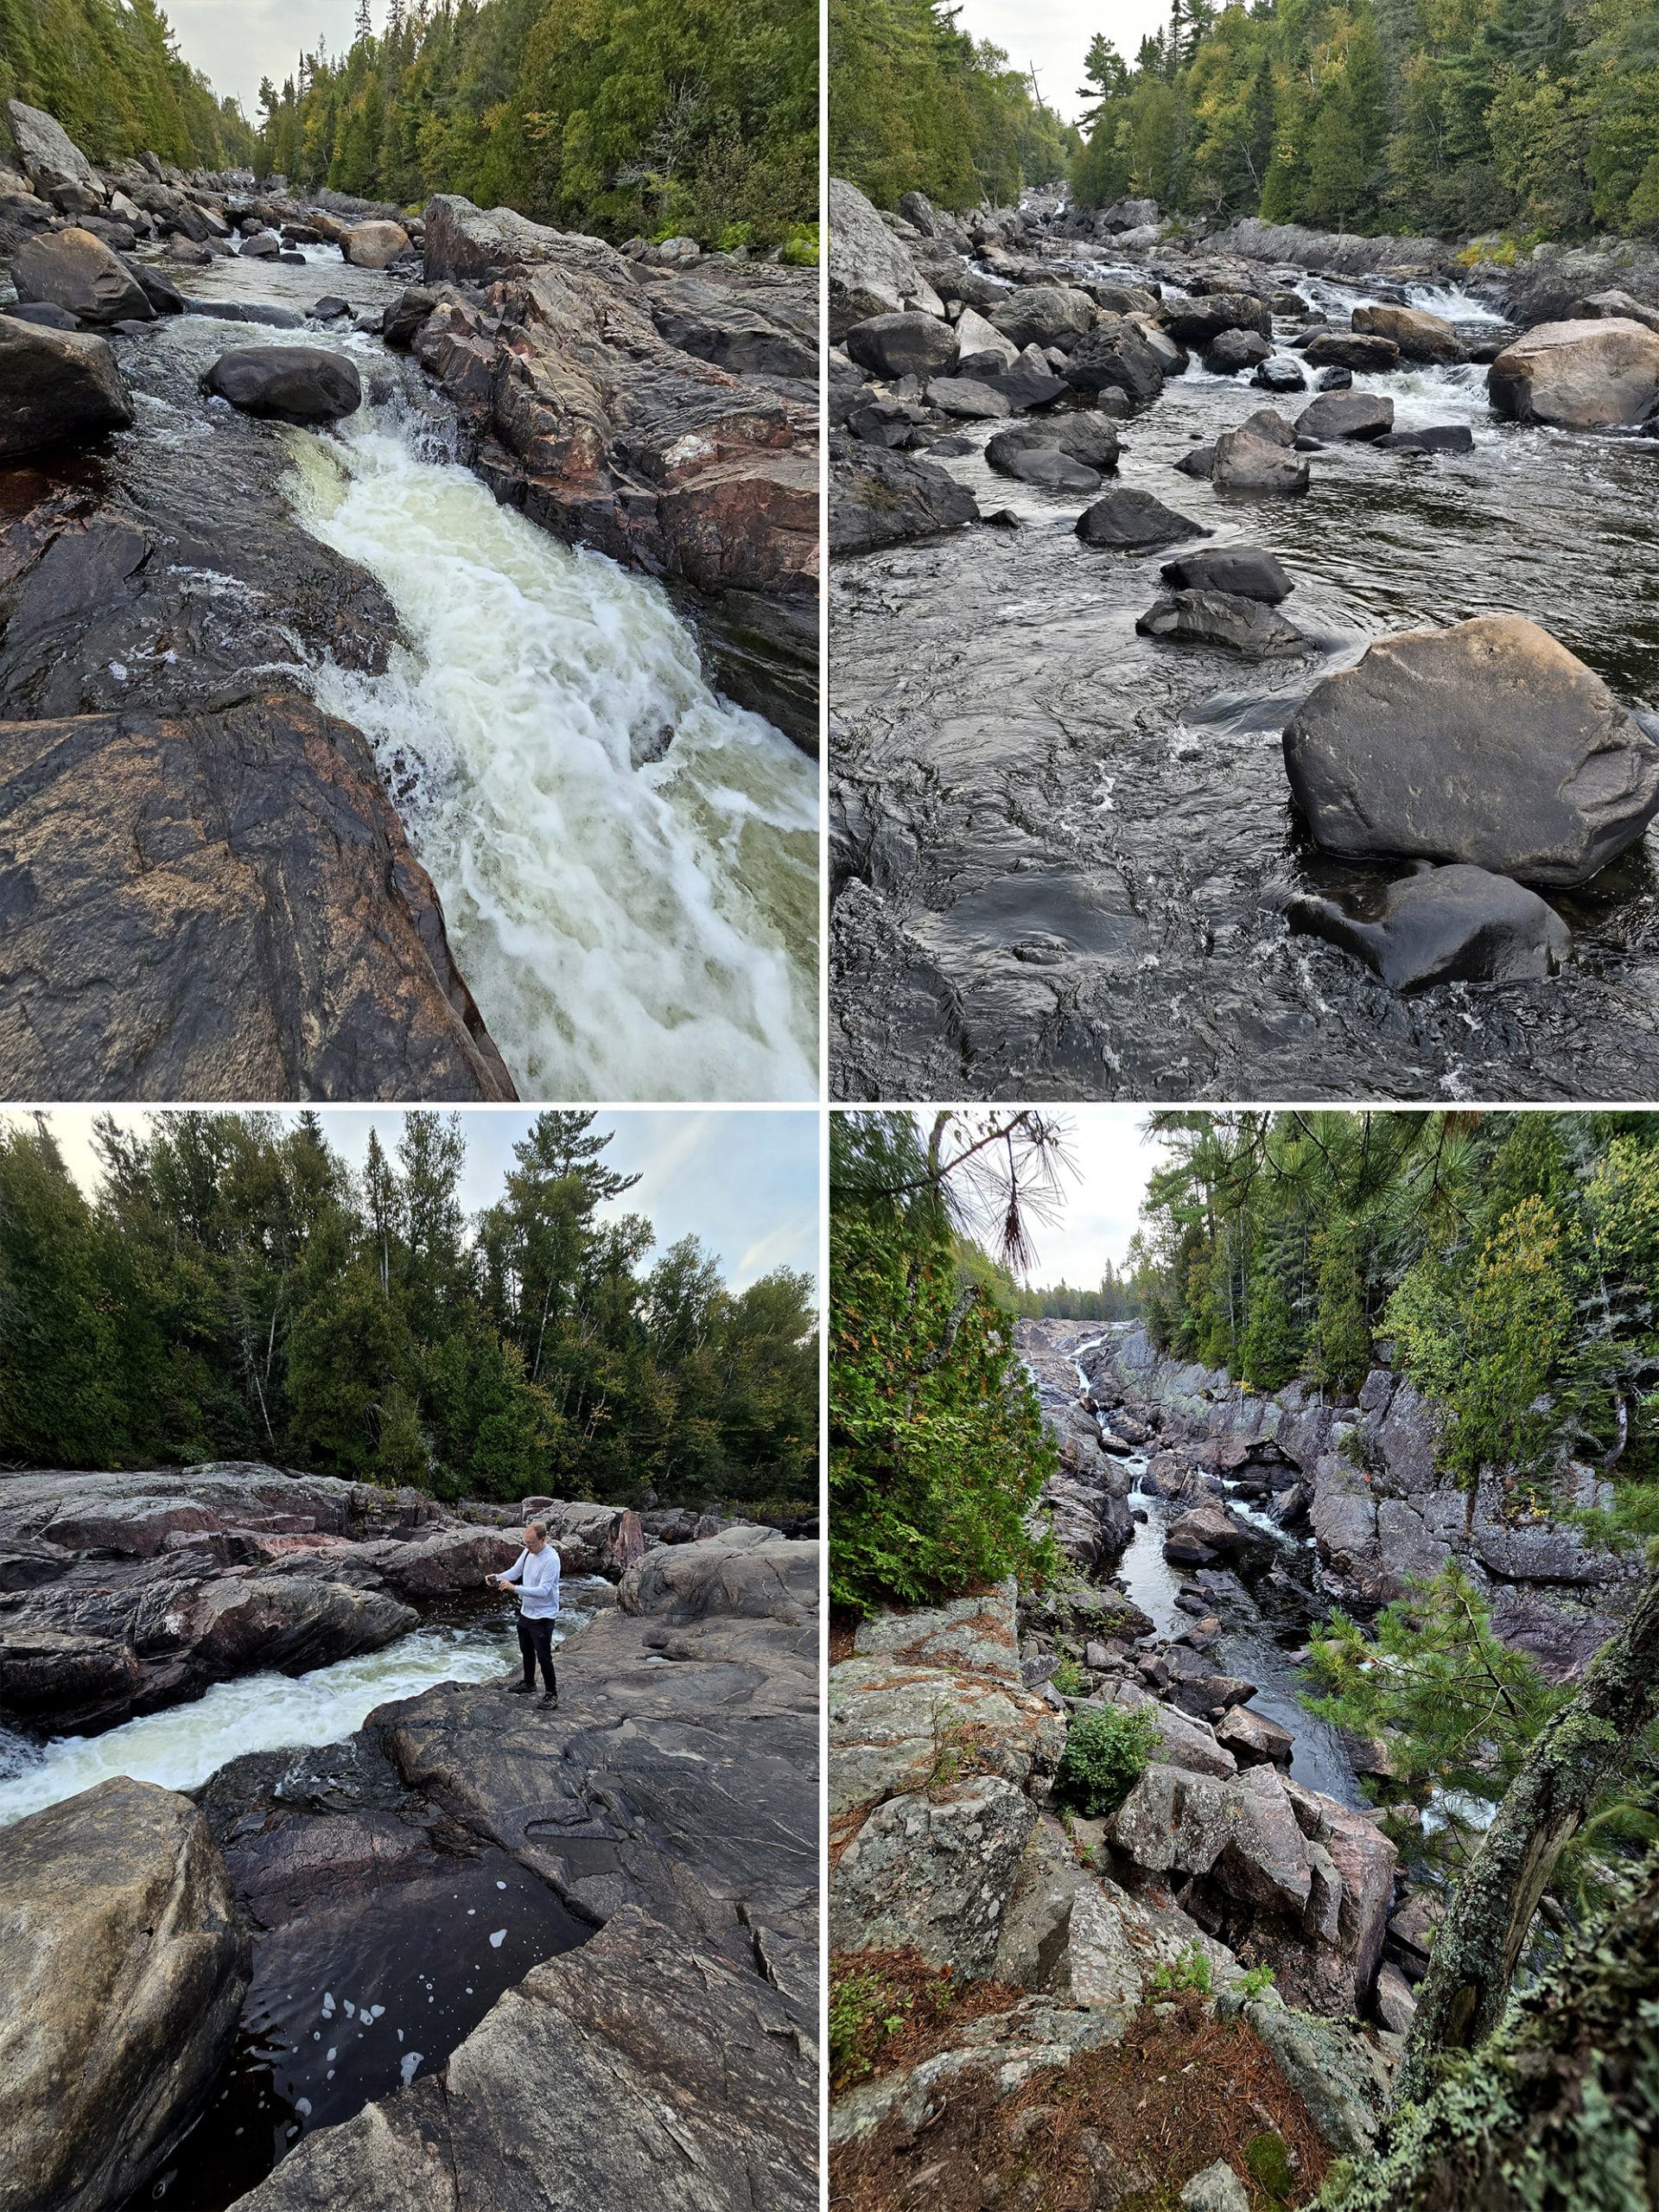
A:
[(535, 1536)]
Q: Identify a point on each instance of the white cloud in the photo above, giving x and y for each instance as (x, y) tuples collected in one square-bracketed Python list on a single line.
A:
[(1054, 39), (236, 42)]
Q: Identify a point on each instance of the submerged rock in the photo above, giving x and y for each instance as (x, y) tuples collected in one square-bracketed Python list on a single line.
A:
[(1448, 925), (1487, 742), (75, 271), (56, 384), (296, 383), (123, 1960), (1131, 521), (1580, 375)]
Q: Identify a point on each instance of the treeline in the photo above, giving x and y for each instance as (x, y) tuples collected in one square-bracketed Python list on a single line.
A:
[(659, 118), (111, 72), (915, 103), (1536, 116), (234, 1291), (1508, 1263), (1118, 1296)]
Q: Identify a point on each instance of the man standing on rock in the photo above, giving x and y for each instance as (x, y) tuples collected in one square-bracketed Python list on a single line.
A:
[(536, 1571)]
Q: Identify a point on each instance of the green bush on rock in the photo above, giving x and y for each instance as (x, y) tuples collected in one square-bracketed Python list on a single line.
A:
[(1106, 1753)]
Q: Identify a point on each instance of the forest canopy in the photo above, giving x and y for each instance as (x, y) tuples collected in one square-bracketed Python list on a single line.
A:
[(654, 117), (917, 105), (1374, 116), (1507, 1263), (234, 1291), (112, 75)]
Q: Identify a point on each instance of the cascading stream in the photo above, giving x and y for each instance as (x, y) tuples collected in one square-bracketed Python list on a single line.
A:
[(627, 862)]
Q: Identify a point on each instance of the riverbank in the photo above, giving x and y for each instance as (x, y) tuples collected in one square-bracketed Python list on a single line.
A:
[(424, 1909), (358, 695), (1069, 861)]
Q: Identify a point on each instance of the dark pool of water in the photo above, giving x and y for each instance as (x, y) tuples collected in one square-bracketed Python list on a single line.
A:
[(1064, 851)]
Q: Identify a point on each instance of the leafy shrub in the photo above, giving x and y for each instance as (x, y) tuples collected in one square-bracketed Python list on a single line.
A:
[(1069, 1679), (1254, 1982), (1106, 1753), (865, 2009), (1191, 1971)]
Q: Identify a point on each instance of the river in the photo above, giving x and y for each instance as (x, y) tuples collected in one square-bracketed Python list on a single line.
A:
[(1268, 1603), (627, 861), (1081, 841), (350, 1999)]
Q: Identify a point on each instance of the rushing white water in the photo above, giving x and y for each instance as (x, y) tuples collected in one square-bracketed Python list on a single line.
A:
[(180, 1748), (629, 930)]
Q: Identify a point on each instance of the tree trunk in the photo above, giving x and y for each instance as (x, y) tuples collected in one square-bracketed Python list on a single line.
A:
[(1477, 1944)]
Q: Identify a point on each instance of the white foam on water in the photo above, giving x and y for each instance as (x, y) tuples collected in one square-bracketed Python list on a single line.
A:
[(180, 1748), (628, 932)]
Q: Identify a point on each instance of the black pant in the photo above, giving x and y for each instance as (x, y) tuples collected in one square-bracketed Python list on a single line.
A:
[(536, 1644)]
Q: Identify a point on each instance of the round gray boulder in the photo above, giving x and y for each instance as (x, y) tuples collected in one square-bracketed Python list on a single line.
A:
[(296, 383)]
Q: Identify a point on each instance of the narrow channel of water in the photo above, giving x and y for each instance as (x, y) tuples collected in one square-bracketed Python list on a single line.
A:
[(267, 1712), (627, 862)]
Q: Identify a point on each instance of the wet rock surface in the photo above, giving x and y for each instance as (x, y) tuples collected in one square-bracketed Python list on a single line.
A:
[(1448, 925), (1086, 892), (125, 1961)]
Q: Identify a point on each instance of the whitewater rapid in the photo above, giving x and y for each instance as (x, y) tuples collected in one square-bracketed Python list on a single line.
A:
[(180, 1748), (627, 862)]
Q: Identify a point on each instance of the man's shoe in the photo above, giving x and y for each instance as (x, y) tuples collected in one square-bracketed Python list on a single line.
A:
[(550, 1697), (520, 1689)]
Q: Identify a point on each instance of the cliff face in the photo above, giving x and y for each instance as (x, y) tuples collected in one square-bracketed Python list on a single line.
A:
[(1379, 1508)]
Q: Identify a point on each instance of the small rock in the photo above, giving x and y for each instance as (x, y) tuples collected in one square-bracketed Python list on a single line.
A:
[(1218, 618), (1131, 521), (1217, 2189), (1248, 570), (1447, 924)]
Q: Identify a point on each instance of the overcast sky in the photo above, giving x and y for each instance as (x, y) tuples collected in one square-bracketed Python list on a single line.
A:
[(1101, 1205), (236, 42), (746, 1184), (1054, 38)]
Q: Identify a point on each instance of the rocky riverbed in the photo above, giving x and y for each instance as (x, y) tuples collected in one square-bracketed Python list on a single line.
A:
[(1118, 515), (456, 1941), (1210, 1529), (335, 762)]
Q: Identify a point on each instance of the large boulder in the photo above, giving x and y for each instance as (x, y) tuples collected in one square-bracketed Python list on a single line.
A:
[(934, 1872), (124, 1962), (1339, 414), (1234, 351), (878, 498), (1130, 521), (1044, 314), (74, 269), (893, 345), (55, 386), (296, 383), (746, 1572), (1350, 349), (1248, 570), (474, 245), (221, 905), (1487, 742), (871, 271), (1117, 356), (1581, 375), (1245, 462), (1419, 335), (50, 156), (375, 246), (590, 1539), (1200, 321), (1447, 924)]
